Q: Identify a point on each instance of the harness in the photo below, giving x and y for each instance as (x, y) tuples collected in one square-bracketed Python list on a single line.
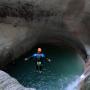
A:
[(38, 58)]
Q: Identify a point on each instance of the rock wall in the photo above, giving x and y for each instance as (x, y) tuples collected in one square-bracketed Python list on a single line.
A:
[(25, 23), (73, 14), (9, 83)]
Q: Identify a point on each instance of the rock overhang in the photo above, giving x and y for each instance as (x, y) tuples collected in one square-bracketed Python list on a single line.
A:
[(42, 24)]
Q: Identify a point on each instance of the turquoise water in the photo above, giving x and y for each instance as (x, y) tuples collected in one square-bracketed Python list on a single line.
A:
[(64, 68)]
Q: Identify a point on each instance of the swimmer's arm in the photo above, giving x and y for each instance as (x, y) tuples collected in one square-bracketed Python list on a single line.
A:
[(47, 59), (26, 59)]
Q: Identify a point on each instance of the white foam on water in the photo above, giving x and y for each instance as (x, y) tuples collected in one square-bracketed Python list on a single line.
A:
[(29, 89), (74, 84)]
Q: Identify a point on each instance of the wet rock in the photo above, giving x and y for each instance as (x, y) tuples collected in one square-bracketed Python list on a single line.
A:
[(9, 83), (25, 23), (85, 85)]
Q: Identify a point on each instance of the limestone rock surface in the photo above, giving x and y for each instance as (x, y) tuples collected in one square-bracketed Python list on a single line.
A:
[(9, 83)]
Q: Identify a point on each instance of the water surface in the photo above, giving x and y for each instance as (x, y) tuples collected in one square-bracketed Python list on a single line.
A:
[(64, 68)]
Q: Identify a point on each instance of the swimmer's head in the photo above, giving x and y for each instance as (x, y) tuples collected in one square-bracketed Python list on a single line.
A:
[(39, 50)]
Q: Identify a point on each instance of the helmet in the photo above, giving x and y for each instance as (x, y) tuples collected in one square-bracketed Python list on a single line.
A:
[(39, 50)]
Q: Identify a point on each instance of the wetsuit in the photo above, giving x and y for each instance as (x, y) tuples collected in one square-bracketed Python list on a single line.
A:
[(39, 60)]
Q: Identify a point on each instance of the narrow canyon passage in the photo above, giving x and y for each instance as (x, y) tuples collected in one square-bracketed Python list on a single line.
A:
[(64, 68)]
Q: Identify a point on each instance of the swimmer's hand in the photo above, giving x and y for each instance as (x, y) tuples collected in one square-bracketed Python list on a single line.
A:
[(26, 59), (49, 60)]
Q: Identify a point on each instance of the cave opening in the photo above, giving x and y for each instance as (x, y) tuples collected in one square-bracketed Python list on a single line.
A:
[(65, 66)]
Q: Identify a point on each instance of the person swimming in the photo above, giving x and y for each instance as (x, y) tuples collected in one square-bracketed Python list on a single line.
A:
[(39, 59)]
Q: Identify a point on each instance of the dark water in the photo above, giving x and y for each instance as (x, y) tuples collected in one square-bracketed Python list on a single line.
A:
[(65, 67)]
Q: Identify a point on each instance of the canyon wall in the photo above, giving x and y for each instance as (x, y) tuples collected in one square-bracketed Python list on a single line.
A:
[(25, 23)]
